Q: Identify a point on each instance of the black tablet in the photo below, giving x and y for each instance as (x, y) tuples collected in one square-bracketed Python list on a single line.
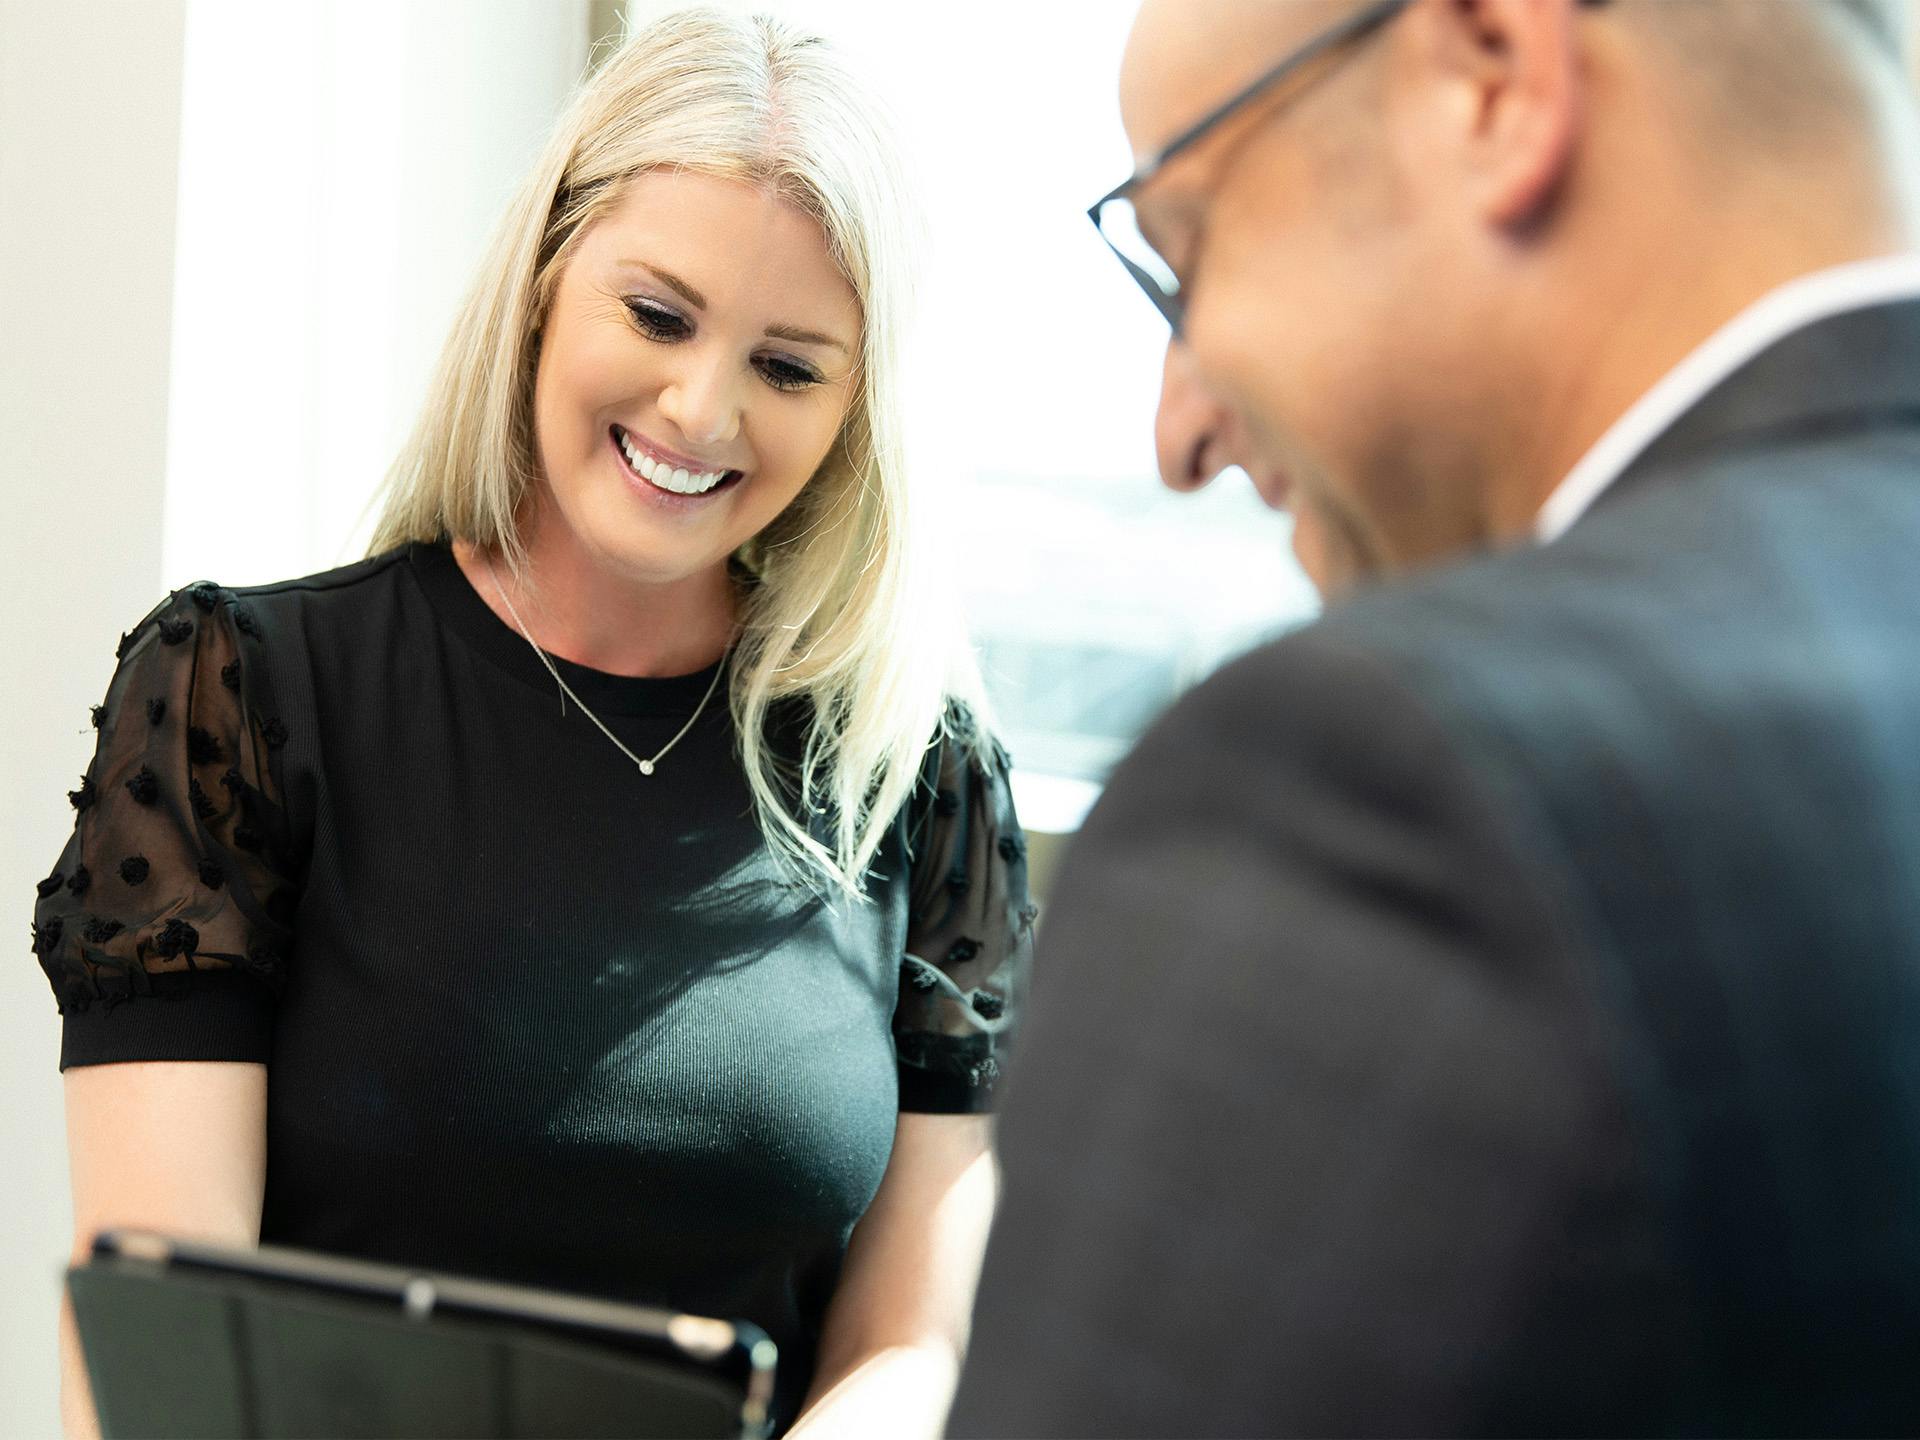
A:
[(185, 1339)]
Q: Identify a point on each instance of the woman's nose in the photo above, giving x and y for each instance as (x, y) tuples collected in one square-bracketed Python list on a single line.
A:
[(702, 400)]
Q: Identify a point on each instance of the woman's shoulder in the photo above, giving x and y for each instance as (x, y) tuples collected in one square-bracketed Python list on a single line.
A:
[(271, 628), (354, 594), (368, 580)]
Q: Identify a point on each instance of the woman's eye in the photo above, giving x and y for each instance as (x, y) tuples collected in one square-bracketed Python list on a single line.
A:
[(787, 374), (661, 324)]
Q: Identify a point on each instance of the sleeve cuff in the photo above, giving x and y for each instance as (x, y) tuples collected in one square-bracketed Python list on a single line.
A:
[(226, 1015), (949, 1075)]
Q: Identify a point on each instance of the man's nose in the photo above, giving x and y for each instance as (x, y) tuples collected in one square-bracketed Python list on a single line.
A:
[(702, 399), (1189, 427)]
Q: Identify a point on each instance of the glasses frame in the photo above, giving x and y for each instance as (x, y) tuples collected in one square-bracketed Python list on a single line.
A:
[(1355, 26)]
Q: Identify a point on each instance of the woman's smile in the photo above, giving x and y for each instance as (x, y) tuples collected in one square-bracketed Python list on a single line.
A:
[(664, 476)]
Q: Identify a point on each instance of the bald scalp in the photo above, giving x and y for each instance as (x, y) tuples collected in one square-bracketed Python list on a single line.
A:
[(1184, 56), (1776, 69)]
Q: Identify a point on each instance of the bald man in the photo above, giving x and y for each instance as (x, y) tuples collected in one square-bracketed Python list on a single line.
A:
[(1494, 1007)]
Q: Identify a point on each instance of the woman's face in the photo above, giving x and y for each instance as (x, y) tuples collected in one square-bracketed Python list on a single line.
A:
[(694, 369)]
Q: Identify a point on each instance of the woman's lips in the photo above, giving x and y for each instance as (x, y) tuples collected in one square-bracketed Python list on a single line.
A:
[(660, 452), (669, 464)]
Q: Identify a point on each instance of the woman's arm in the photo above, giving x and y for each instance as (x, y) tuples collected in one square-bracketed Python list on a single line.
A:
[(896, 1332), (175, 1146)]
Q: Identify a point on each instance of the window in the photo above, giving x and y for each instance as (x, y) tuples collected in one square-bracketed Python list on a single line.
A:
[(1096, 595)]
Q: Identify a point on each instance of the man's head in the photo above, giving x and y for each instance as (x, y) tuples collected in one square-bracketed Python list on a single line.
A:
[(1426, 269)]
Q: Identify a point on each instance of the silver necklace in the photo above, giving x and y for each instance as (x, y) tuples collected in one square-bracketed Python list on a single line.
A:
[(645, 767)]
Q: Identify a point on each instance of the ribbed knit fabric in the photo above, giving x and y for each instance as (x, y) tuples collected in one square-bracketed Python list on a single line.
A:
[(526, 1013)]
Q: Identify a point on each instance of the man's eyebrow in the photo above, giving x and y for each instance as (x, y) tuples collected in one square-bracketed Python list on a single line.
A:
[(699, 302)]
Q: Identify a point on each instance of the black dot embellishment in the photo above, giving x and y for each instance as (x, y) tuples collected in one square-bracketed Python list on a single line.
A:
[(246, 837), (202, 803), (134, 869), (263, 959), (144, 786), (233, 780), (172, 632), (946, 803), (156, 710), (52, 883), (923, 979), (203, 747), (98, 931), (211, 875), (230, 675), (957, 882), (244, 622), (274, 732), (176, 937), (988, 1006), (126, 643), (47, 936), (79, 881), (99, 713), (205, 594), (1012, 847), (83, 797), (963, 950)]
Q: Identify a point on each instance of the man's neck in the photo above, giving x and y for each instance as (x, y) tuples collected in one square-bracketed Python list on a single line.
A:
[(1614, 346)]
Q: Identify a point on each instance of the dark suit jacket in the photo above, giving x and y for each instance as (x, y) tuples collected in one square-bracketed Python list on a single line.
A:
[(1496, 1006)]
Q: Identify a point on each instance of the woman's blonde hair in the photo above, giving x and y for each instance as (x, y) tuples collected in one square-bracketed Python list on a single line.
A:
[(837, 602)]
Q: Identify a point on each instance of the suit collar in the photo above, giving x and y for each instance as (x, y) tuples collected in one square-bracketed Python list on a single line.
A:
[(1837, 343)]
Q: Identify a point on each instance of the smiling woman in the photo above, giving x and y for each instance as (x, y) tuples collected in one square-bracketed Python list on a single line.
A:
[(722, 415), (727, 987)]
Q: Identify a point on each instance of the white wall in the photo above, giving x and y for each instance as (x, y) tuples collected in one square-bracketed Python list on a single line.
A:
[(218, 307), (89, 103), (342, 163)]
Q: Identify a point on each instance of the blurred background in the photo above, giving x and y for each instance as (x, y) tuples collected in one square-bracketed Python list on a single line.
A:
[(232, 236)]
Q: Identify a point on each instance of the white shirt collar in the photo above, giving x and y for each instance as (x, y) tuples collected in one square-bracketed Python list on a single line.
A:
[(1778, 313)]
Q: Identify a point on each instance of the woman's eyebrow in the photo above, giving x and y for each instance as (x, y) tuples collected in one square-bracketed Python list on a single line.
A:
[(806, 337), (666, 277), (699, 302)]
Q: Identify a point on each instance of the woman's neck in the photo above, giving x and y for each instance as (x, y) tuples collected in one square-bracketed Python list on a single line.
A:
[(602, 620)]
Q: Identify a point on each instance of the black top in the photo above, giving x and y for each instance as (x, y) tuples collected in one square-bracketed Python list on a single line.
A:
[(527, 1013), (1552, 1068)]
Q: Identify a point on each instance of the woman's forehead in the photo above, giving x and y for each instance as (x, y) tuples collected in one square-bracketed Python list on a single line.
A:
[(740, 247)]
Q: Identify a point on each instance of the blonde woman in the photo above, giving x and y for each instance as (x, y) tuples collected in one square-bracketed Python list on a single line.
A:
[(610, 872)]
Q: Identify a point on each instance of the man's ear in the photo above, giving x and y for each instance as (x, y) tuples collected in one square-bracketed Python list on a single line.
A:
[(1511, 74)]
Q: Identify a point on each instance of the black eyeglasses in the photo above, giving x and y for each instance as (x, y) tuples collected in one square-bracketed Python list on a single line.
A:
[(1113, 214)]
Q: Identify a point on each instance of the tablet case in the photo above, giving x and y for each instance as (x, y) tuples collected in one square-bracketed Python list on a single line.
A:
[(186, 1340)]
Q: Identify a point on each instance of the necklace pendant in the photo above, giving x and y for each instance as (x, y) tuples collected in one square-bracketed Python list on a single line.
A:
[(646, 767)]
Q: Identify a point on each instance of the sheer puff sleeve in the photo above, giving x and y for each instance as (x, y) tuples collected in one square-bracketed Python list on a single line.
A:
[(970, 926), (164, 924)]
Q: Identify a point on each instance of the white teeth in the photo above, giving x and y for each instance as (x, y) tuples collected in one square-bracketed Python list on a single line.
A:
[(667, 477)]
